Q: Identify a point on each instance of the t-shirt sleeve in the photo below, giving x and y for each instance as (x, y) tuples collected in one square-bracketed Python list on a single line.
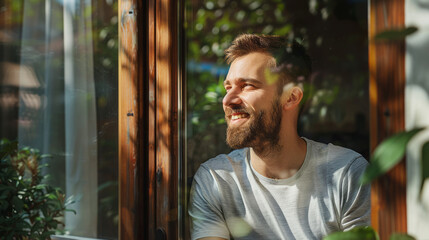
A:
[(355, 198), (206, 218)]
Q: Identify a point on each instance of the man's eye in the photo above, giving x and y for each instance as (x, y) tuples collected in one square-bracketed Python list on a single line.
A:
[(227, 88), (247, 85)]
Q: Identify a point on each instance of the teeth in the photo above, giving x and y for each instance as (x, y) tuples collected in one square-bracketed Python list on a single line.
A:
[(238, 116)]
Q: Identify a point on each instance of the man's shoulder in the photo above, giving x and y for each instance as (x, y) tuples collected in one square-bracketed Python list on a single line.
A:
[(223, 166), (335, 155), (226, 161)]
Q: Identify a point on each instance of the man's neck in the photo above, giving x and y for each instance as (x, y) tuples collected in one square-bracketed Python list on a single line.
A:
[(280, 162)]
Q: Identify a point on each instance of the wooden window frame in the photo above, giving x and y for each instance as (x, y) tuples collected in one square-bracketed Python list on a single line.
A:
[(151, 123), (149, 119), (387, 116)]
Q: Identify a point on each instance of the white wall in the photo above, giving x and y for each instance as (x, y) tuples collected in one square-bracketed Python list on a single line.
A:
[(417, 113)]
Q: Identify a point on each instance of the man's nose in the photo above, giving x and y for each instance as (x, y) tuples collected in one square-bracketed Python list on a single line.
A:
[(232, 97)]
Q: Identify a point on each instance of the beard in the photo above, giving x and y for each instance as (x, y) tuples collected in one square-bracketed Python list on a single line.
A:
[(261, 132)]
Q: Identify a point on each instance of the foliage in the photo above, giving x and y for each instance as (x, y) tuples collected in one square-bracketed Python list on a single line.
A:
[(41, 48), (424, 165), (395, 34), (29, 209), (401, 236), (358, 233), (387, 155), (364, 233)]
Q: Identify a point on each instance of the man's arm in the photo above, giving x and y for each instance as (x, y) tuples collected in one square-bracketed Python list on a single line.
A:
[(205, 211), (356, 198)]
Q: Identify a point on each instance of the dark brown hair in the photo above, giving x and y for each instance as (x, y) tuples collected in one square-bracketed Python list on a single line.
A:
[(291, 57)]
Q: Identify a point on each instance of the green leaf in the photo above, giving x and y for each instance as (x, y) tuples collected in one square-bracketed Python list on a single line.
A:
[(401, 236), (396, 34), (425, 165), (51, 196), (70, 210), (283, 30), (387, 155), (52, 224), (358, 233), (47, 234), (70, 200), (41, 186), (46, 156)]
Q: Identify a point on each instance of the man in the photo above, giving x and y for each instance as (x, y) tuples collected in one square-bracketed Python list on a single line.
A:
[(277, 185)]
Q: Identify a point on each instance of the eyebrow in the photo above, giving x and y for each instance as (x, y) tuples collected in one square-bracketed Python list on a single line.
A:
[(242, 80)]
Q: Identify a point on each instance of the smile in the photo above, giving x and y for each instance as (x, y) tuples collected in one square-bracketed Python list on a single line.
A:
[(239, 116)]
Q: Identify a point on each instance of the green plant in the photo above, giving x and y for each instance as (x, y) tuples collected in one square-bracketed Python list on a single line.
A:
[(390, 152), (29, 209), (358, 233)]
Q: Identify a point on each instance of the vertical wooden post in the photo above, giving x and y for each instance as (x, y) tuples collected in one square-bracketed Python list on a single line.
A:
[(387, 82), (151, 118), (130, 115), (166, 117), (148, 124), (160, 119)]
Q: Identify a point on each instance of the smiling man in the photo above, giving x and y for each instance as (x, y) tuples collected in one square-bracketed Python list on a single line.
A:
[(276, 185)]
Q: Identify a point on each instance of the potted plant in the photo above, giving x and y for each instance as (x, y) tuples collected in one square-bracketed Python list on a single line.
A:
[(29, 208)]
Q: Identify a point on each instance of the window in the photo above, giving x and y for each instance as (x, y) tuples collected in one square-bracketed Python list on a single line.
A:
[(335, 34), (336, 39), (59, 93), (58, 82)]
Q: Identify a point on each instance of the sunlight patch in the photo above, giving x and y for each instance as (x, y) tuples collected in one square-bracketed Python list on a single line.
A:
[(238, 227)]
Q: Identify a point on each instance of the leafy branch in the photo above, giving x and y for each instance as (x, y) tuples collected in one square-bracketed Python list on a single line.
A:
[(29, 208)]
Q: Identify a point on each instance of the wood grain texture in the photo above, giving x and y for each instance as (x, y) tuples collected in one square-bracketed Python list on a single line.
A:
[(151, 118), (387, 82), (128, 117), (166, 117), (149, 139)]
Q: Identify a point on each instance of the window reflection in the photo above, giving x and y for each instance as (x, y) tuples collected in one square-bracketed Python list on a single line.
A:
[(58, 93)]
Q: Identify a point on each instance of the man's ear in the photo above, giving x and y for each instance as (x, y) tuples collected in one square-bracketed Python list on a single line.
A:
[(292, 97)]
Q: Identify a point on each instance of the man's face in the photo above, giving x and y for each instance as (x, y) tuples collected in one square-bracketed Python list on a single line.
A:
[(252, 105)]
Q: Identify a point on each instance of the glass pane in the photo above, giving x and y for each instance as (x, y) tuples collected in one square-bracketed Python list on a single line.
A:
[(58, 82), (333, 32)]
